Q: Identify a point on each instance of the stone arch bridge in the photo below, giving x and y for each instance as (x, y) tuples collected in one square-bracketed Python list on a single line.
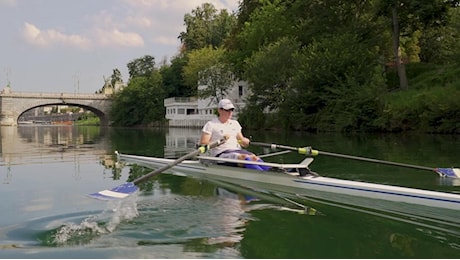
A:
[(14, 104)]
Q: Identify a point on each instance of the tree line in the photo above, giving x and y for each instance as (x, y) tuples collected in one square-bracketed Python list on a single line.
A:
[(345, 66)]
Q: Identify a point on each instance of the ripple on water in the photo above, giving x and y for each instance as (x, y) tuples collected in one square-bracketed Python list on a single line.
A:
[(78, 228), (180, 226)]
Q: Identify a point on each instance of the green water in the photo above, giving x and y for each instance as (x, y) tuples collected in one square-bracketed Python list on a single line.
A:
[(46, 171)]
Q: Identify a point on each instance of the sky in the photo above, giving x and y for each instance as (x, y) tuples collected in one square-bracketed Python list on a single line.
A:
[(69, 46)]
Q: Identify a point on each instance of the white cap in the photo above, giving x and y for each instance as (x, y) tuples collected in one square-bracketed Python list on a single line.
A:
[(225, 104)]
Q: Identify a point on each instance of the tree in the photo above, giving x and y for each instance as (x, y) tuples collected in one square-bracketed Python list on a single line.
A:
[(441, 45), (143, 66), (206, 27), (173, 78), (397, 48), (259, 23), (408, 17), (338, 86), (207, 67), (116, 77), (270, 72), (303, 60), (141, 102)]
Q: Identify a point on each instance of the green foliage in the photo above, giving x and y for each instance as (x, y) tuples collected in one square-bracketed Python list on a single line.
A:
[(267, 23), (199, 60), (336, 81), (206, 27), (414, 14), (431, 105), (88, 119), (173, 80), (355, 109), (207, 67), (423, 75), (261, 23), (270, 71), (137, 171), (116, 77), (441, 45), (141, 102), (435, 110), (319, 66), (252, 116), (141, 67), (313, 65)]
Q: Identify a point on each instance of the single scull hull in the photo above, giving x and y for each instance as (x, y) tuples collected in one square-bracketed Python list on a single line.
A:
[(384, 197)]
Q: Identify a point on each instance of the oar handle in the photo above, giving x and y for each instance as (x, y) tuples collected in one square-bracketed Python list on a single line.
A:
[(201, 149), (301, 150)]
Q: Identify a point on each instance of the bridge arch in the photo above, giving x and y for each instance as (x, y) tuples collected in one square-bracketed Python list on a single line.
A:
[(13, 105), (102, 116)]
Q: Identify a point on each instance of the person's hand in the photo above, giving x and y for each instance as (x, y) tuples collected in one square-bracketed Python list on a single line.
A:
[(244, 142)]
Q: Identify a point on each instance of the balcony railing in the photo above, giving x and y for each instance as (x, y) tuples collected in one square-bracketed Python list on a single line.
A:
[(180, 100)]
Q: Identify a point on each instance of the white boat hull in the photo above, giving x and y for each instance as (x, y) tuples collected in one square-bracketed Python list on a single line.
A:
[(369, 195)]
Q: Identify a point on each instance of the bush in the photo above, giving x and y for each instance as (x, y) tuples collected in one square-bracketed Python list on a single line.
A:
[(434, 110)]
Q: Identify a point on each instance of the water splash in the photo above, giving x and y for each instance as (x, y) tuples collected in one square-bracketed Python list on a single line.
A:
[(123, 210), (94, 226), (76, 234)]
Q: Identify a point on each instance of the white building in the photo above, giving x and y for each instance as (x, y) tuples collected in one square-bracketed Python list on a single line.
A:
[(194, 112)]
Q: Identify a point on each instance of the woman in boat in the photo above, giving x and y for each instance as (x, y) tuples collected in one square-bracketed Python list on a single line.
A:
[(225, 127)]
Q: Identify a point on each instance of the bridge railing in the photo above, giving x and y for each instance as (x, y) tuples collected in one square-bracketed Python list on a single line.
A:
[(55, 95)]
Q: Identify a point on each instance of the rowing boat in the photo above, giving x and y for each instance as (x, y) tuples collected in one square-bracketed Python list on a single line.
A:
[(298, 180)]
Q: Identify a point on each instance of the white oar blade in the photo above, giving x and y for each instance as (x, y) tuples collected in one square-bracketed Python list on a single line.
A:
[(449, 172), (119, 192)]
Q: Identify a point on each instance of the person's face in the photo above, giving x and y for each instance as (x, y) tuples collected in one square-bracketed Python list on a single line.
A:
[(226, 113)]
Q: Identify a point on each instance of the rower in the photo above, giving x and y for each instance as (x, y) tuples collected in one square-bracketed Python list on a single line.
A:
[(225, 127)]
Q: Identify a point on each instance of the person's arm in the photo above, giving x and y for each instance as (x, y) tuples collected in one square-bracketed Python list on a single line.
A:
[(243, 141), (205, 138)]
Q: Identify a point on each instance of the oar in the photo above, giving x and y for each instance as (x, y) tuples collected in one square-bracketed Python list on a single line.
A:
[(126, 189), (444, 172)]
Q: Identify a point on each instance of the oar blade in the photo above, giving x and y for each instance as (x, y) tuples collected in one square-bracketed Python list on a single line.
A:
[(448, 172), (124, 190), (119, 192)]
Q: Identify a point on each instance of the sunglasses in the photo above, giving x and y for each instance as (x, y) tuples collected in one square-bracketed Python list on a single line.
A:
[(231, 109)]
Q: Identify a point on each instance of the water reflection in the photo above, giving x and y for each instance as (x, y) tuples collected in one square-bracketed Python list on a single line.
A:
[(47, 170), (44, 144), (184, 214), (31, 144), (180, 141), (449, 182)]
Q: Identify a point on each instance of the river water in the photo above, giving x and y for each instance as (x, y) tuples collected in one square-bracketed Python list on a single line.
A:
[(47, 171)]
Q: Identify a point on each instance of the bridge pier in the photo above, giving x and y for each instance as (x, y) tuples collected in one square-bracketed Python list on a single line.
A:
[(7, 118)]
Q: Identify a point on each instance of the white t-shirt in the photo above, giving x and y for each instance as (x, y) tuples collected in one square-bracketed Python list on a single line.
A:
[(217, 130)]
